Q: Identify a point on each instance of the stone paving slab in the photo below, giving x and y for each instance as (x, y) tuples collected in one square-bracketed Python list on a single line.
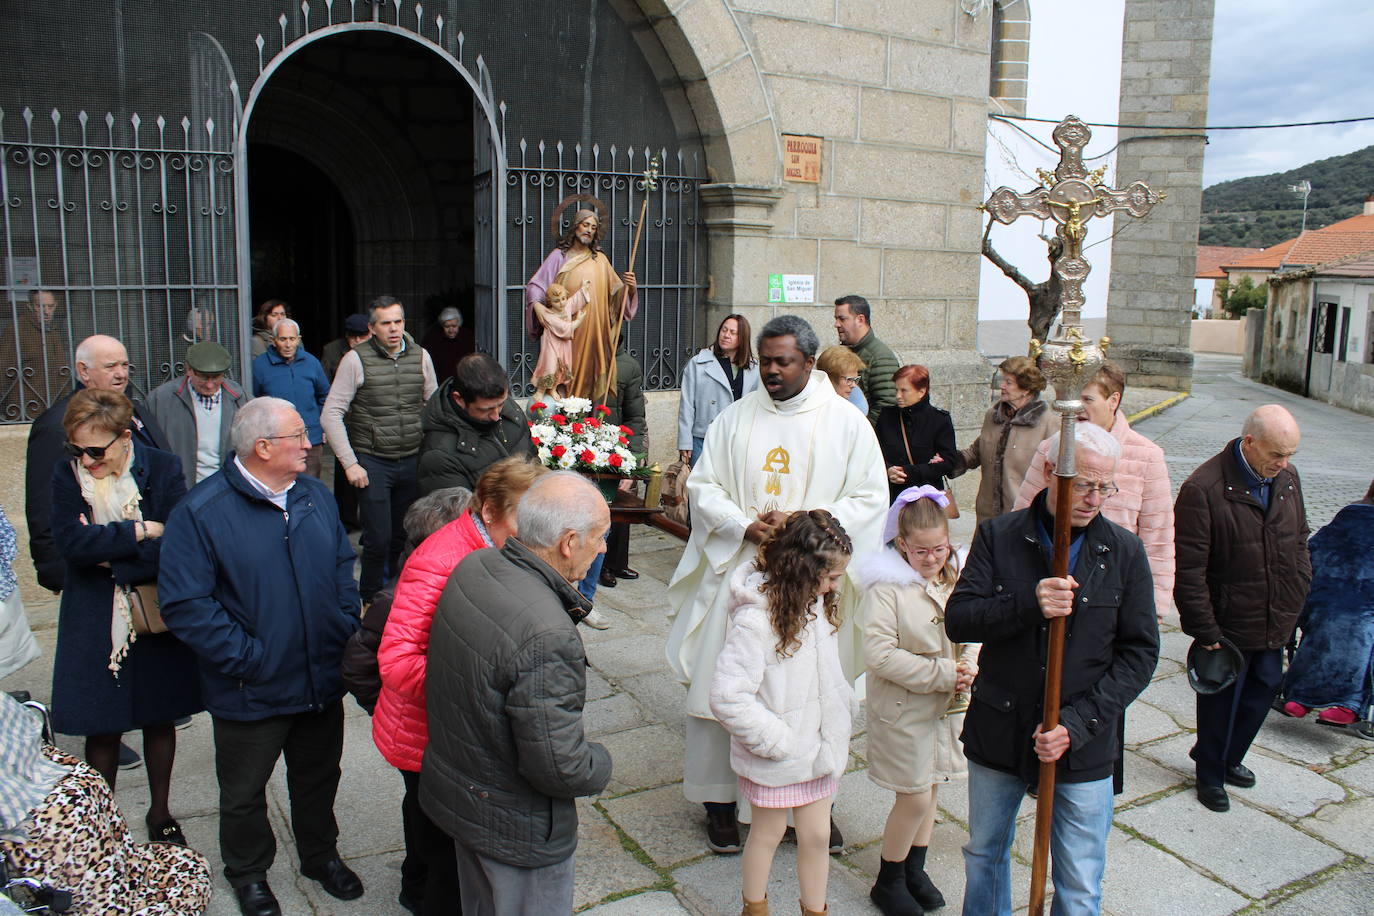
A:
[(647, 756), (944, 864), (1148, 723), (666, 826), (604, 865), (654, 903), (1358, 776), (1306, 741), (1241, 847), (1143, 880), (1349, 826), (1349, 893), (712, 886)]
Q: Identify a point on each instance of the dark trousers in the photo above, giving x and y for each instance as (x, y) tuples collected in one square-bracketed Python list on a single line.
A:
[(382, 504), (429, 873), (618, 547), (346, 495), (1228, 721), (245, 754)]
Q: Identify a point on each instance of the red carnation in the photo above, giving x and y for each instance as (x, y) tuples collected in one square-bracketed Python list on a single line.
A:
[(577, 429), (558, 419), (536, 440), (602, 408), (624, 441), (615, 460), (558, 451), (627, 431), (586, 457), (593, 422), (539, 405)]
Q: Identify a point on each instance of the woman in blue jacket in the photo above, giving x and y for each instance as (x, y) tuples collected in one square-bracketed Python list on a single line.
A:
[(712, 380), (288, 372), (109, 503)]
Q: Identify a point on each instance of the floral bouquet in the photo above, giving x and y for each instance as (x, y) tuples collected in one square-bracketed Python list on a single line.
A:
[(573, 435)]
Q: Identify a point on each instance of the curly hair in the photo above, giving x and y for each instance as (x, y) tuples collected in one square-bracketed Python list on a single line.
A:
[(803, 549)]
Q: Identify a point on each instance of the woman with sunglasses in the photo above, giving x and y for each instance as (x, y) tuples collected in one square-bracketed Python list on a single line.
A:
[(110, 497)]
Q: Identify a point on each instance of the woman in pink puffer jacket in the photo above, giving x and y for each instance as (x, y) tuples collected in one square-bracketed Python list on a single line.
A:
[(1145, 505), (399, 726)]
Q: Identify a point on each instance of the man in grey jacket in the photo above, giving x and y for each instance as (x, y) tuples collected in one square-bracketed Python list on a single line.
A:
[(506, 683), (196, 410)]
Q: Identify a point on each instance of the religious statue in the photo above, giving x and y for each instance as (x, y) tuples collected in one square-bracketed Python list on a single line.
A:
[(560, 317), (577, 262)]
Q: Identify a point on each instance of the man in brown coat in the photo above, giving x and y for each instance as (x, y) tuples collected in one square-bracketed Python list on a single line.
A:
[(1243, 571)]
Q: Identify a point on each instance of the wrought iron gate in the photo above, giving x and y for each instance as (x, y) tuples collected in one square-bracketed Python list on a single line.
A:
[(670, 268), (128, 225)]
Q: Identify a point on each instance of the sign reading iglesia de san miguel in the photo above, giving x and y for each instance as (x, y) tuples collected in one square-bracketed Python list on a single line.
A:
[(801, 158)]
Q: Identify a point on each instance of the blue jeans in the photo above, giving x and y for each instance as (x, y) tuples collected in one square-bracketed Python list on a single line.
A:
[(697, 445), (588, 584), (1078, 843), (382, 504)]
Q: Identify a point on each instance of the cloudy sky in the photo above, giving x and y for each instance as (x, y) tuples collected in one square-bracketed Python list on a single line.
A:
[(1273, 61)]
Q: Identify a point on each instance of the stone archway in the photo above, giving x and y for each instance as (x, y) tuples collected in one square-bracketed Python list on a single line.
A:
[(408, 136)]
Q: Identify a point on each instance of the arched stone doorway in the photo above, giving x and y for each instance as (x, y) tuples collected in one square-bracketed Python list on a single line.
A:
[(366, 166)]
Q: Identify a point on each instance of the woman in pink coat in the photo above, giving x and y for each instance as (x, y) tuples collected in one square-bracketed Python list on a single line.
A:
[(1145, 505), (399, 727)]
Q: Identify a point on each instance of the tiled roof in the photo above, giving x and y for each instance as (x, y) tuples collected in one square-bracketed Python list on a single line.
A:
[(1363, 222), (1211, 257), (1354, 267), (1266, 259), (1328, 245)]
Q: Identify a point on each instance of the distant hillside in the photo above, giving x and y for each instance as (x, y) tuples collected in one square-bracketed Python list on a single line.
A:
[(1260, 211)]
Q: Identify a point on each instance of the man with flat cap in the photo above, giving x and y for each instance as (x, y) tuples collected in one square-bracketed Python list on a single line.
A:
[(196, 410)]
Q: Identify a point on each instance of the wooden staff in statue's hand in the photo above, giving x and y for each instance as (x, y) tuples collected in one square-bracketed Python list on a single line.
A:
[(650, 184)]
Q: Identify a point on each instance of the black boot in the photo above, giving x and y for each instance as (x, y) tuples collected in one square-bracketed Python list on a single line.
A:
[(919, 883), (890, 894)]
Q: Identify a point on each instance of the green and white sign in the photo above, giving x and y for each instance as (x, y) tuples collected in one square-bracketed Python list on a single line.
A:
[(792, 288)]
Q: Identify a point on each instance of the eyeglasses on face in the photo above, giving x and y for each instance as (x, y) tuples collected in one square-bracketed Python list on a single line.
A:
[(96, 452), (1105, 490), (302, 436), (852, 379), (922, 553)]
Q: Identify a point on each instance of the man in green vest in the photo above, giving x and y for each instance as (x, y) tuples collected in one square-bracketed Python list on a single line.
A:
[(371, 420), (854, 325)]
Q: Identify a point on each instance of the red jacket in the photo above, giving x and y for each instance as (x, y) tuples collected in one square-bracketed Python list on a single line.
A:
[(399, 726)]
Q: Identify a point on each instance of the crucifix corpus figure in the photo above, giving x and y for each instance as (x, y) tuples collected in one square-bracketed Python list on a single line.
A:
[(577, 263), (1053, 712)]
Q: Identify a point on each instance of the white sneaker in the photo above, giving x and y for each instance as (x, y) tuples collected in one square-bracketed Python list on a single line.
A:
[(596, 620)]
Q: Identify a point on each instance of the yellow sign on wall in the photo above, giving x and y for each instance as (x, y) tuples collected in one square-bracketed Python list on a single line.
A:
[(801, 158)]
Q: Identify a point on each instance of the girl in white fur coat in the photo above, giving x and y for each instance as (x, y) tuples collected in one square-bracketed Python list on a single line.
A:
[(781, 693), (917, 690)]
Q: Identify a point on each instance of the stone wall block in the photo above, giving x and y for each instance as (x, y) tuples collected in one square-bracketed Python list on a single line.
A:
[(920, 274), (871, 171), (756, 153), (708, 35), (817, 10), (898, 224), (940, 70), (975, 32), (970, 126), (964, 227), (806, 106), (833, 217), (926, 20), (911, 325), (1164, 50), (807, 49), (904, 117), (736, 95), (848, 268)]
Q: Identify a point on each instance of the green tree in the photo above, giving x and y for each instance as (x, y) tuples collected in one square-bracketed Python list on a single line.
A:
[(1239, 297)]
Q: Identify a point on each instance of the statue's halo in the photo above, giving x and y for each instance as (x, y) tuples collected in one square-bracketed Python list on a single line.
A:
[(556, 220)]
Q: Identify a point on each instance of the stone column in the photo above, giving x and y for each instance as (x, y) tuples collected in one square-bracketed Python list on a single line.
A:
[(1166, 59)]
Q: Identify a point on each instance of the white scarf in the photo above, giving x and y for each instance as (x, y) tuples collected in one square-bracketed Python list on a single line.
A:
[(114, 499)]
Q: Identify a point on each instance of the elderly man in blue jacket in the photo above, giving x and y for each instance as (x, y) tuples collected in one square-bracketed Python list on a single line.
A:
[(257, 578)]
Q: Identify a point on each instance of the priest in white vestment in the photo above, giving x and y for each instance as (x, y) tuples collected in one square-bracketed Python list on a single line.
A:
[(791, 444)]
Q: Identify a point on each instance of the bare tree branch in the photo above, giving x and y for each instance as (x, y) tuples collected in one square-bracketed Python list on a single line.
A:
[(1043, 297)]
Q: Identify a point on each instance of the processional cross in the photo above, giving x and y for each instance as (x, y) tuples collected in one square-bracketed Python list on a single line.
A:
[(1070, 196)]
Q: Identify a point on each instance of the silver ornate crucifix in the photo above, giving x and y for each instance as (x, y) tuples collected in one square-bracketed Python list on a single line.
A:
[(1070, 196)]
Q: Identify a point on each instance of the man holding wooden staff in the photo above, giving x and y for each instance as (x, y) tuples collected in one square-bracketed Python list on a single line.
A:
[(1006, 599)]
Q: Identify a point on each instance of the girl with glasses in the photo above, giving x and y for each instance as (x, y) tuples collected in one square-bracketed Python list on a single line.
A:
[(918, 683)]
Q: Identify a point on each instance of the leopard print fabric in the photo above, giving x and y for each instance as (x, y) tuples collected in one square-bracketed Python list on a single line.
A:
[(79, 841)]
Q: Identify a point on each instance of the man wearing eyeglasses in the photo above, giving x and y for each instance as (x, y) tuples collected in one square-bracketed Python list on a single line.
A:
[(196, 411), (1005, 599), (267, 615)]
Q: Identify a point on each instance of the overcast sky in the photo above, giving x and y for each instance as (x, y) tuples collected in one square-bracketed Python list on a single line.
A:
[(1273, 61)]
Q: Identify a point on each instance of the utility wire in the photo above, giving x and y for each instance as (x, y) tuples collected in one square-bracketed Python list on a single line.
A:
[(1002, 117)]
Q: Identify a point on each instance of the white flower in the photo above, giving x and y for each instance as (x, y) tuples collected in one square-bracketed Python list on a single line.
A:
[(567, 461)]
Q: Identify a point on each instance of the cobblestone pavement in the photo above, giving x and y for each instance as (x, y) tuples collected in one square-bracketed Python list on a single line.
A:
[(1298, 842)]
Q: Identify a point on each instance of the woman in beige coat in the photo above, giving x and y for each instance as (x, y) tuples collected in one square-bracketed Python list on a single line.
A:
[(917, 683), (1012, 430)]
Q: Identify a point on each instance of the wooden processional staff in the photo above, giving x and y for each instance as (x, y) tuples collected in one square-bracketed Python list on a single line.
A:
[(1070, 197), (649, 184)]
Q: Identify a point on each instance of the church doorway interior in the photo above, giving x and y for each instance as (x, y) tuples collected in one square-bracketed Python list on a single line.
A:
[(361, 182)]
